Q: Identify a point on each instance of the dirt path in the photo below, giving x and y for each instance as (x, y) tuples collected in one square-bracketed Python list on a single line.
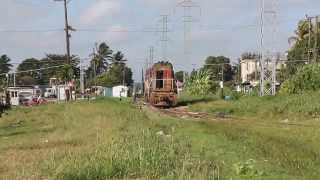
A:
[(183, 112)]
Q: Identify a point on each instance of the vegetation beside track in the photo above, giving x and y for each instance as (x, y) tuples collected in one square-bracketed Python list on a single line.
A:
[(107, 139), (283, 129)]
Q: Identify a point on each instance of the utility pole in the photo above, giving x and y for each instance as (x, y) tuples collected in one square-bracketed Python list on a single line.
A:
[(94, 65), (184, 77), (67, 29), (14, 79), (123, 75), (309, 19), (222, 80), (81, 79), (316, 40)]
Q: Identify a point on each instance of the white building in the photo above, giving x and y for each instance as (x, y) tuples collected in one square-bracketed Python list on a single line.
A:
[(249, 70), (120, 91)]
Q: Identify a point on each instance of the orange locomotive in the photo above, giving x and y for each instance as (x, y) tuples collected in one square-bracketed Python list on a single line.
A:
[(160, 86)]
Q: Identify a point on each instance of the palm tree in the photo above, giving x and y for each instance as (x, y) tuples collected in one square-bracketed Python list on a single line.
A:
[(66, 73), (100, 60), (5, 65), (301, 33), (118, 58)]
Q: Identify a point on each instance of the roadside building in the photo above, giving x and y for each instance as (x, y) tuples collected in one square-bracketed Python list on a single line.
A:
[(19, 95), (63, 92), (249, 71), (120, 91)]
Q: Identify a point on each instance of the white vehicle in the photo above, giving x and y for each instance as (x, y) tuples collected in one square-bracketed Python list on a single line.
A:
[(25, 97), (50, 93), (19, 95)]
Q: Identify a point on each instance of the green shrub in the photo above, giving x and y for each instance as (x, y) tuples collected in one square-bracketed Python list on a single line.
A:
[(306, 79), (199, 83)]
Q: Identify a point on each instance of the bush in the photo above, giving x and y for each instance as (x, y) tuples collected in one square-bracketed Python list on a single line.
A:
[(199, 83), (306, 79)]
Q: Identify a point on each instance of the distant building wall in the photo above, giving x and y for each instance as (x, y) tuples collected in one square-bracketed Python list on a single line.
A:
[(248, 68)]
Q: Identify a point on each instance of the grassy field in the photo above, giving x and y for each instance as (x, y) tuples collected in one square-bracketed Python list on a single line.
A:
[(108, 139)]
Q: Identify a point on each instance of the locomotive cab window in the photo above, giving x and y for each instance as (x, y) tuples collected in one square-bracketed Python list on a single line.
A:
[(160, 77)]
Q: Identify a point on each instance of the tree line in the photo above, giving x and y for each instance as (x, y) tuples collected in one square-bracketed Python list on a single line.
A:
[(106, 68)]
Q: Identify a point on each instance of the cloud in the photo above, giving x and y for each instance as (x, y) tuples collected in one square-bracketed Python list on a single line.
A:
[(100, 9), (115, 34)]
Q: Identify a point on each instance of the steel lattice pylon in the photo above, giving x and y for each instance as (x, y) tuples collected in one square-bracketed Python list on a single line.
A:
[(268, 57)]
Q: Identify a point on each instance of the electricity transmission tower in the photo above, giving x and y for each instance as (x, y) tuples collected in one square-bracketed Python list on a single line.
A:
[(164, 37), (268, 57), (188, 7), (151, 56)]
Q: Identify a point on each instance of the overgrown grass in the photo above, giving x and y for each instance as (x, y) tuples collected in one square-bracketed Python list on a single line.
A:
[(283, 130), (146, 156), (292, 107), (109, 139), (94, 140)]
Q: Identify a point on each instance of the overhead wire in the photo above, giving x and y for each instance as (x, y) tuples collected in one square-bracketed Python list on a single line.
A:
[(34, 70)]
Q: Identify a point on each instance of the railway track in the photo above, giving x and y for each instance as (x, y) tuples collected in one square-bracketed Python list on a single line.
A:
[(184, 113)]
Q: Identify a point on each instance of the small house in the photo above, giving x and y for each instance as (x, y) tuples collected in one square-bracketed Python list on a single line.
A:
[(120, 91), (63, 92)]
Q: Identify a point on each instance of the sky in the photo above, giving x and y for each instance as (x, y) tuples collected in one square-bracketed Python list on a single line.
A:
[(33, 28)]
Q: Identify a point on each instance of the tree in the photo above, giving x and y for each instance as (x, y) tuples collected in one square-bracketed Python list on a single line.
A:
[(66, 73), (116, 75), (214, 66), (299, 48), (62, 70), (5, 65), (31, 77), (250, 55), (118, 58), (27, 80), (179, 76), (301, 33), (100, 61)]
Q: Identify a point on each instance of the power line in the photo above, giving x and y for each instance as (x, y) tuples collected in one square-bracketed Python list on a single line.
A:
[(48, 61), (30, 30), (33, 70), (28, 3), (151, 30)]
